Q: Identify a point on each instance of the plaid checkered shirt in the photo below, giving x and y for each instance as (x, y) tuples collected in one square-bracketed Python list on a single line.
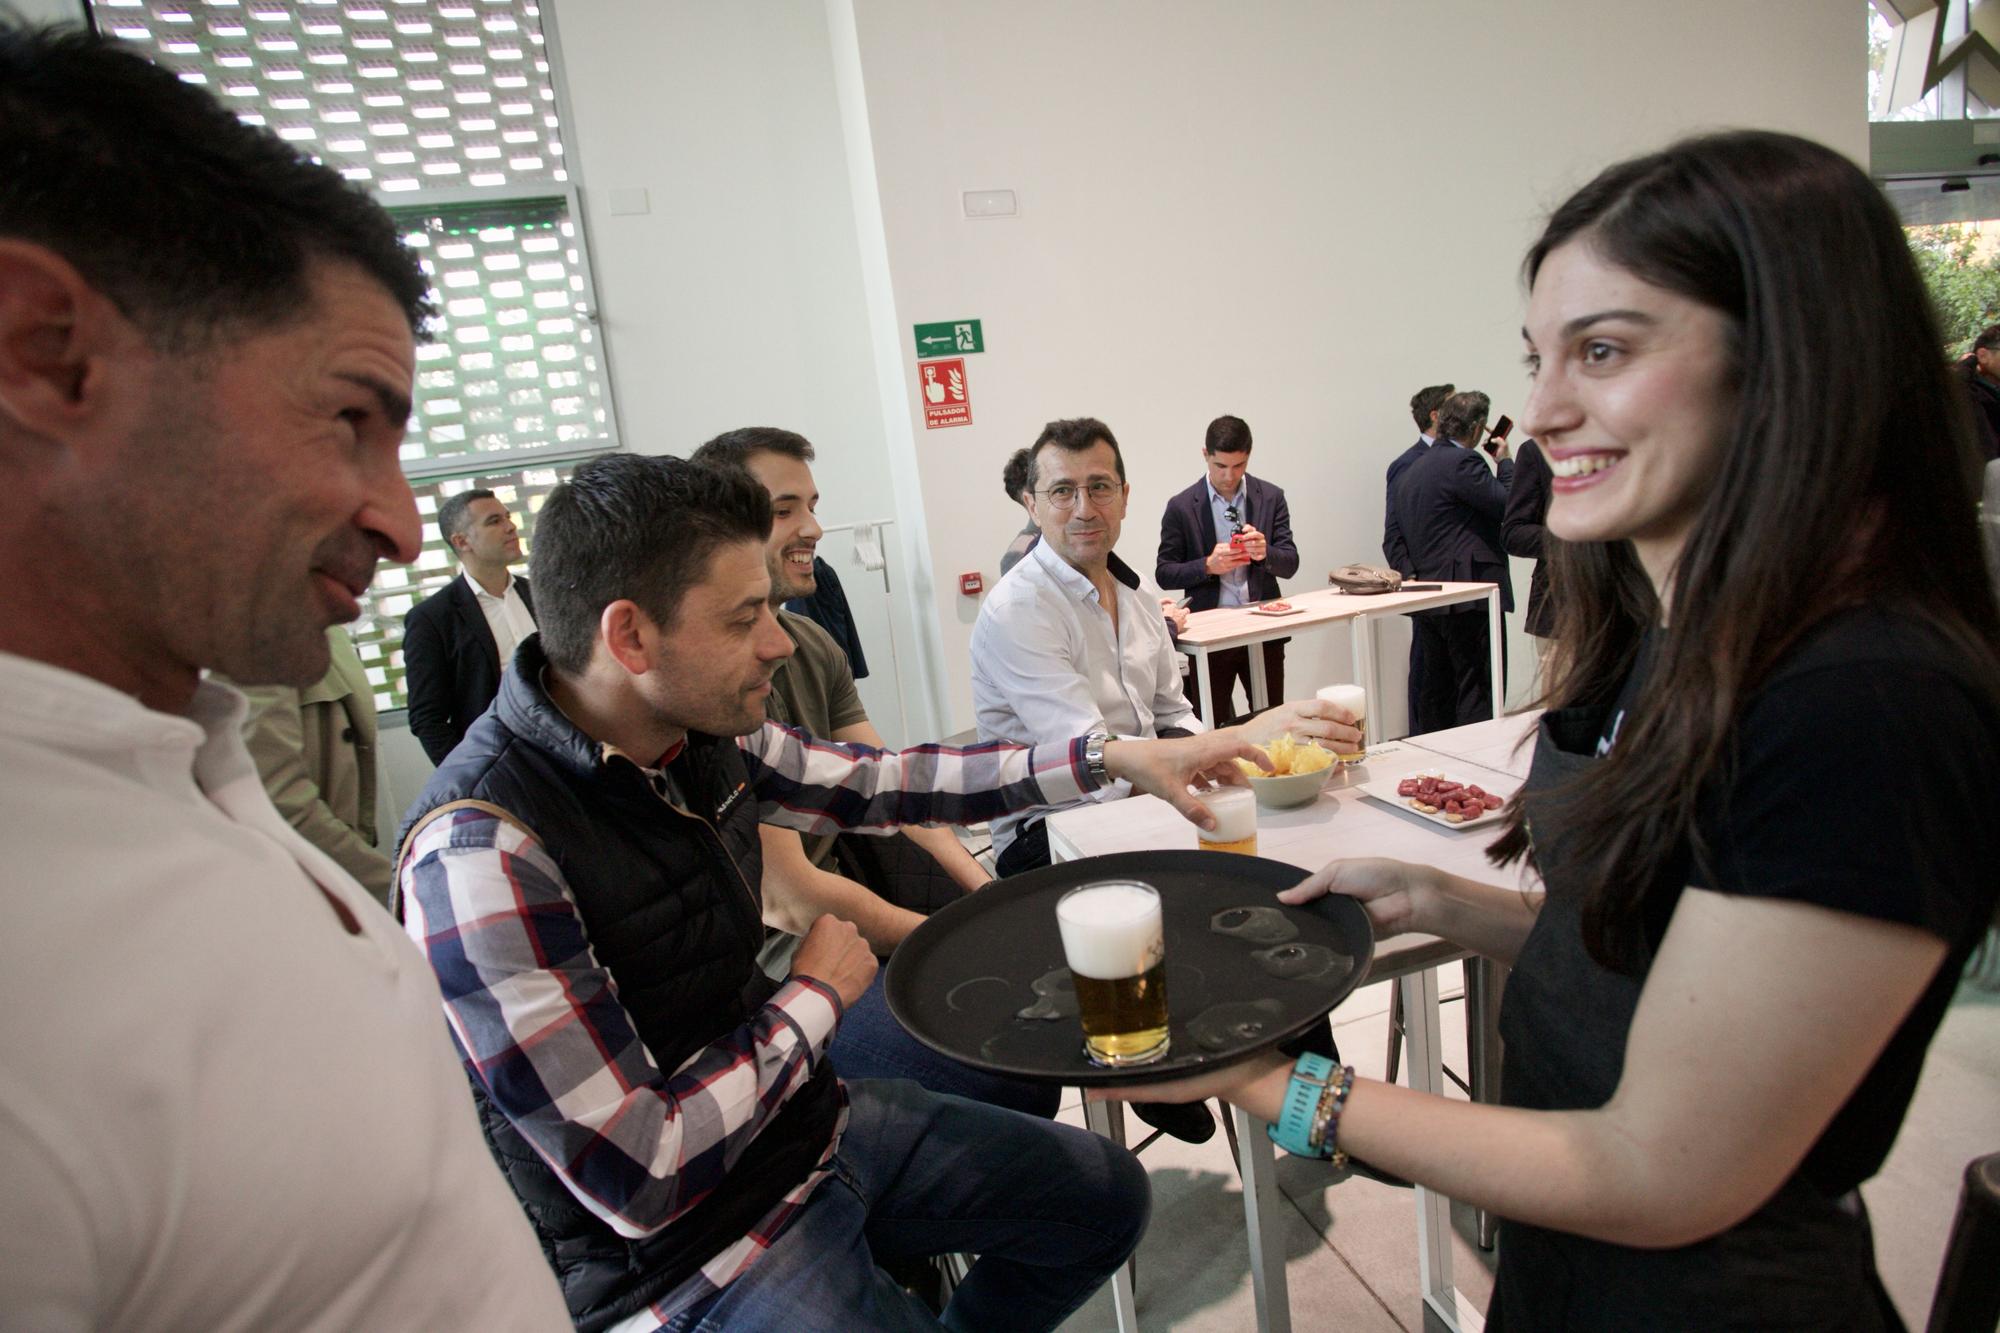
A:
[(537, 1020)]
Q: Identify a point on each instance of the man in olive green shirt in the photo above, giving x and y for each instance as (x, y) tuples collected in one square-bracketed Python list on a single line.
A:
[(918, 867), (814, 690)]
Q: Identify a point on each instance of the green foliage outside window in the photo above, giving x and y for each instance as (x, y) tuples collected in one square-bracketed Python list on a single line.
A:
[(1961, 268)]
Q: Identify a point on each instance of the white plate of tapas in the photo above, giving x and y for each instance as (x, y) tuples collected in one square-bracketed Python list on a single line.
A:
[(1453, 801), (1276, 609)]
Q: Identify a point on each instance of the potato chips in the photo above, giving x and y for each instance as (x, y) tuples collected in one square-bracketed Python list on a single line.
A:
[(1289, 756)]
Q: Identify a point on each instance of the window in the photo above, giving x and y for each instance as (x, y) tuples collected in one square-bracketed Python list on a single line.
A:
[(1932, 60), (406, 95), (512, 367), (1898, 67), (449, 111)]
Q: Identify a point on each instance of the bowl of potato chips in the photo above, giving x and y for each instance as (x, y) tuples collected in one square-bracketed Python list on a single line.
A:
[(1299, 769)]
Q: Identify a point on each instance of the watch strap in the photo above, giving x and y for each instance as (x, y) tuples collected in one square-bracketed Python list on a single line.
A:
[(1093, 757), (1293, 1129)]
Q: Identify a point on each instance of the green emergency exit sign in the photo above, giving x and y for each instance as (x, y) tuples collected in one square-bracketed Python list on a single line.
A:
[(951, 338)]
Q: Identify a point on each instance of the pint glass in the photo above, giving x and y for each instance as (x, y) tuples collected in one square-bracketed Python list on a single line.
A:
[(1117, 952), (1235, 811), (1355, 700)]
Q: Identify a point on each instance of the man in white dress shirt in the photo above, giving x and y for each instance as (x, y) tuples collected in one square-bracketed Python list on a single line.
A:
[(488, 542), (226, 1096), (458, 641), (1069, 642)]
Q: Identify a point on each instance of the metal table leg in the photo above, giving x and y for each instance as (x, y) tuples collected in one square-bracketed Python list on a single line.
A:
[(1262, 1208), (1426, 1074), (1108, 1119), (1484, 980), (1495, 628), (1260, 688)]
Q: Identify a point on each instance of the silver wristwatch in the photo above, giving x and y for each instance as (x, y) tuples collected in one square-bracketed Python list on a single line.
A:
[(1093, 757)]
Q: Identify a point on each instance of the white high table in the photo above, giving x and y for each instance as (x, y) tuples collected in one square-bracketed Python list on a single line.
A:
[(1342, 822), (1210, 632)]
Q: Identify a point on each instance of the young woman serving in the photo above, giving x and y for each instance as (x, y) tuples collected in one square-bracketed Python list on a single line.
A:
[(1757, 803)]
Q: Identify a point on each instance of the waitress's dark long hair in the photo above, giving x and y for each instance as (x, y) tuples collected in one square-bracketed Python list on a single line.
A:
[(1848, 475)]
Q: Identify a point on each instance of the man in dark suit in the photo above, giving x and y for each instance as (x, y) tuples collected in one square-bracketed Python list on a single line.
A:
[(1424, 406), (1449, 507), (458, 641), (1197, 553), (1521, 530)]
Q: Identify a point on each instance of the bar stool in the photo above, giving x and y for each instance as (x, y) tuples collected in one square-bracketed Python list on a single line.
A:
[(1484, 980), (1968, 1286), (1982, 970)]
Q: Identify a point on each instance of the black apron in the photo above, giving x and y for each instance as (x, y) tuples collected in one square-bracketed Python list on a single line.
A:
[(1804, 1260)]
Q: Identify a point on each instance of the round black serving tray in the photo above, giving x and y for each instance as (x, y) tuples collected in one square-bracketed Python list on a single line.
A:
[(1244, 971)]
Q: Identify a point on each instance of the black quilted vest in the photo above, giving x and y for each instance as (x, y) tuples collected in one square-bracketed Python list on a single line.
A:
[(670, 904)]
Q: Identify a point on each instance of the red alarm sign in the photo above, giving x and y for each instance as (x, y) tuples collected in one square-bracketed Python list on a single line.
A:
[(941, 388)]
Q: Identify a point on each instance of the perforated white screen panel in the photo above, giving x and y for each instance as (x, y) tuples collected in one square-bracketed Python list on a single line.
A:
[(401, 94)]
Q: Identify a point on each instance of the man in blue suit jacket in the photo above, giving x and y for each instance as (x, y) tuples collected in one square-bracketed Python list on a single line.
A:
[(1449, 506), (1424, 405), (1196, 553), (1424, 411)]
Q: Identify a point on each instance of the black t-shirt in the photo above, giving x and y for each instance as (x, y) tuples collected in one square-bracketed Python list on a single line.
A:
[(1859, 778)]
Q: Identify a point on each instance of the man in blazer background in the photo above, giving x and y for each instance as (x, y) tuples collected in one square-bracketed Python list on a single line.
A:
[(1424, 405), (458, 641), (1449, 504), (1521, 528), (1196, 554)]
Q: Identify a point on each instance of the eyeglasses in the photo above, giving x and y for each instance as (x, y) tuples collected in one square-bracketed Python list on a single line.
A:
[(1235, 519), (1063, 495)]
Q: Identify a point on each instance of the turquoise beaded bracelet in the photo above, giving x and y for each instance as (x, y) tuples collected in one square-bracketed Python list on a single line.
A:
[(1325, 1134)]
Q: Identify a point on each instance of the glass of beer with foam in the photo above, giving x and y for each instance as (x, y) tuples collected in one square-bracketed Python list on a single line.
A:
[(1235, 811), (1355, 700), (1117, 952)]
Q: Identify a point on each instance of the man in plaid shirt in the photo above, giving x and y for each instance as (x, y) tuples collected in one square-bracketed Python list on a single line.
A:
[(582, 874)]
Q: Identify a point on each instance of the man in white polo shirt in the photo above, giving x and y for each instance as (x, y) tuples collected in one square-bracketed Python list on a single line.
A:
[(226, 1098), (1069, 643), (458, 641)]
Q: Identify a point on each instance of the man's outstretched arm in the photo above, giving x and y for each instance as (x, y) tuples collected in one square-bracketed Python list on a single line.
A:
[(820, 787)]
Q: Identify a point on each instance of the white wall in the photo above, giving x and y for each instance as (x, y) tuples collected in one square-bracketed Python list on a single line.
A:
[(1296, 212), (737, 300), (1278, 210)]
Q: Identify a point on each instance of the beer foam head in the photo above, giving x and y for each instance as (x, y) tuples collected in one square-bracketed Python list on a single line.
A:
[(1235, 811), (1351, 697), (1110, 930)]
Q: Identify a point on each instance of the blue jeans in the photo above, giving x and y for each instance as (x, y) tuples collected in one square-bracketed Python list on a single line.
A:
[(870, 1043), (1050, 1210)]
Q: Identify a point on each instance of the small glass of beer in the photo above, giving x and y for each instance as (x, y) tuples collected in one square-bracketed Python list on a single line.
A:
[(1117, 951), (1235, 811), (1355, 700)]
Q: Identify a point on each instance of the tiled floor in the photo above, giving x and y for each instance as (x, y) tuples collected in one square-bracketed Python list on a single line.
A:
[(1353, 1247)]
